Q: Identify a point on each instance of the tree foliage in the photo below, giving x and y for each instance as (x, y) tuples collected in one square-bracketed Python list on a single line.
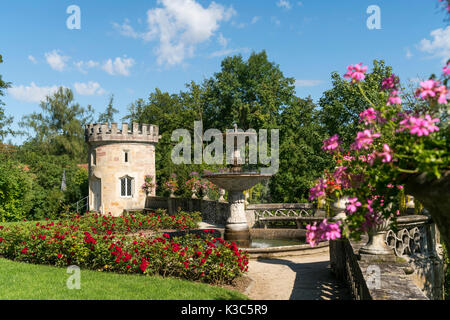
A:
[(5, 121), (16, 188), (341, 105), (108, 115), (59, 127)]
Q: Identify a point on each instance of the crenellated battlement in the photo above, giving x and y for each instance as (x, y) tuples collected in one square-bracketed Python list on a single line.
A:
[(97, 132)]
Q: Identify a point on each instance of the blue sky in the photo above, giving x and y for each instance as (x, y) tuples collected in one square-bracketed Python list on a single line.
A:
[(129, 48)]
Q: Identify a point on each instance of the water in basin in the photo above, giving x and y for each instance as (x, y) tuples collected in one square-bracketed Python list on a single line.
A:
[(268, 243)]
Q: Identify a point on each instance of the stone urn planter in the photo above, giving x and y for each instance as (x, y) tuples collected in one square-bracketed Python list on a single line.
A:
[(377, 246), (222, 194), (434, 195), (338, 208)]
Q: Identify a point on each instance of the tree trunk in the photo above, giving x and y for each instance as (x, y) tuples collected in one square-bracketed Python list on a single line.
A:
[(434, 194)]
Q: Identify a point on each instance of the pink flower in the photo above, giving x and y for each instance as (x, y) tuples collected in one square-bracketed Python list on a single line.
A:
[(352, 205), (348, 158), (368, 116), (386, 155), (339, 175), (446, 70), (419, 126), (394, 98), (331, 143), (364, 139), (442, 91), (324, 232), (427, 89), (356, 72), (390, 83), (431, 89), (317, 190)]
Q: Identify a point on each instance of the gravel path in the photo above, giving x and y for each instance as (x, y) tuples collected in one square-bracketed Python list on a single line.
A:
[(295, 278)]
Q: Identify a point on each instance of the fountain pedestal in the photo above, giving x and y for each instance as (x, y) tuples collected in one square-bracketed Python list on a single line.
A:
[(237, 229)]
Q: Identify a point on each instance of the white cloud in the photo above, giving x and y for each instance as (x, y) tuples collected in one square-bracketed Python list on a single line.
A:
[(408, 53), (284, 4), (307, 83), (32, 59), (88, 89), (179, 26), (255, 19), (120, 66), (126, 30), (238, 25), (56, 61), (31, 93), (439, 45), (275, 20), (222, 40), (228, 51), (82, 66)]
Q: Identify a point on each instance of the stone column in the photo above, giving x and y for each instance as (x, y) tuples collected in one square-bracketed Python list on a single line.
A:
[(236, 228)]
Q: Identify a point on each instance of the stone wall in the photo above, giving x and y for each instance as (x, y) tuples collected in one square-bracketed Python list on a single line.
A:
[(214, 212), (372, 280)]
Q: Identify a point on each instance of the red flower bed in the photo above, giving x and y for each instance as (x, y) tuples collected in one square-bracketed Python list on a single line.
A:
[(97, 242)]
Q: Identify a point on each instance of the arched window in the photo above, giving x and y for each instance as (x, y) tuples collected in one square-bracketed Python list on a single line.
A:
[(126, 186)]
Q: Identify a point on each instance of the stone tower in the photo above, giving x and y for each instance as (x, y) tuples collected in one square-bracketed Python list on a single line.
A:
[(118, 162)]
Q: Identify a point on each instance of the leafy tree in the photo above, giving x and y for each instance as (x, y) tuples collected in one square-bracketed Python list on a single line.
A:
[(108, 115), (47, 171), (16, 188), (5, 121), (340, 106), (169, 112), (59, 127), (301, 157), (249, 93)]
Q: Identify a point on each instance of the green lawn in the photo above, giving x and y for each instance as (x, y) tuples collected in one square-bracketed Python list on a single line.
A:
[(23, 281)]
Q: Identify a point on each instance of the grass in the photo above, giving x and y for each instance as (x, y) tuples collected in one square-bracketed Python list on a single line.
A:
[(23, 281)]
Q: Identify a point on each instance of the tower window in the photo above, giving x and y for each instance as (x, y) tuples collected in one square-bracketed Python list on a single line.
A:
[(94, 158), (126, 186), (126, 156)]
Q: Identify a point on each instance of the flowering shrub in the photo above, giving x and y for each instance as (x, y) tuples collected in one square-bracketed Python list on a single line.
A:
[(193, 184), (393, 141), (197, 184), (99, 244), (172, 183), (133, 223), (148, 185)]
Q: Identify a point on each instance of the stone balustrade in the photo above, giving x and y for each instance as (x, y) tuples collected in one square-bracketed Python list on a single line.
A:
[(417, 273)]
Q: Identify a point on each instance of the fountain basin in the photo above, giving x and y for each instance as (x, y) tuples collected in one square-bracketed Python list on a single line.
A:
[(300, 249), (236, 181), (269, 235)]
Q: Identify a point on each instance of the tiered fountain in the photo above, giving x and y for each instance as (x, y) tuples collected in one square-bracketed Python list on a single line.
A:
[(235, 181)]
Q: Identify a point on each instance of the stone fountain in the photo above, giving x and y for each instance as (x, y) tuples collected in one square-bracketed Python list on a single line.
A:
[(235, 181)]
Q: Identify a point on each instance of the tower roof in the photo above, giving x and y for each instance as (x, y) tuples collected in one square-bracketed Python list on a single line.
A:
[(96, 132)]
